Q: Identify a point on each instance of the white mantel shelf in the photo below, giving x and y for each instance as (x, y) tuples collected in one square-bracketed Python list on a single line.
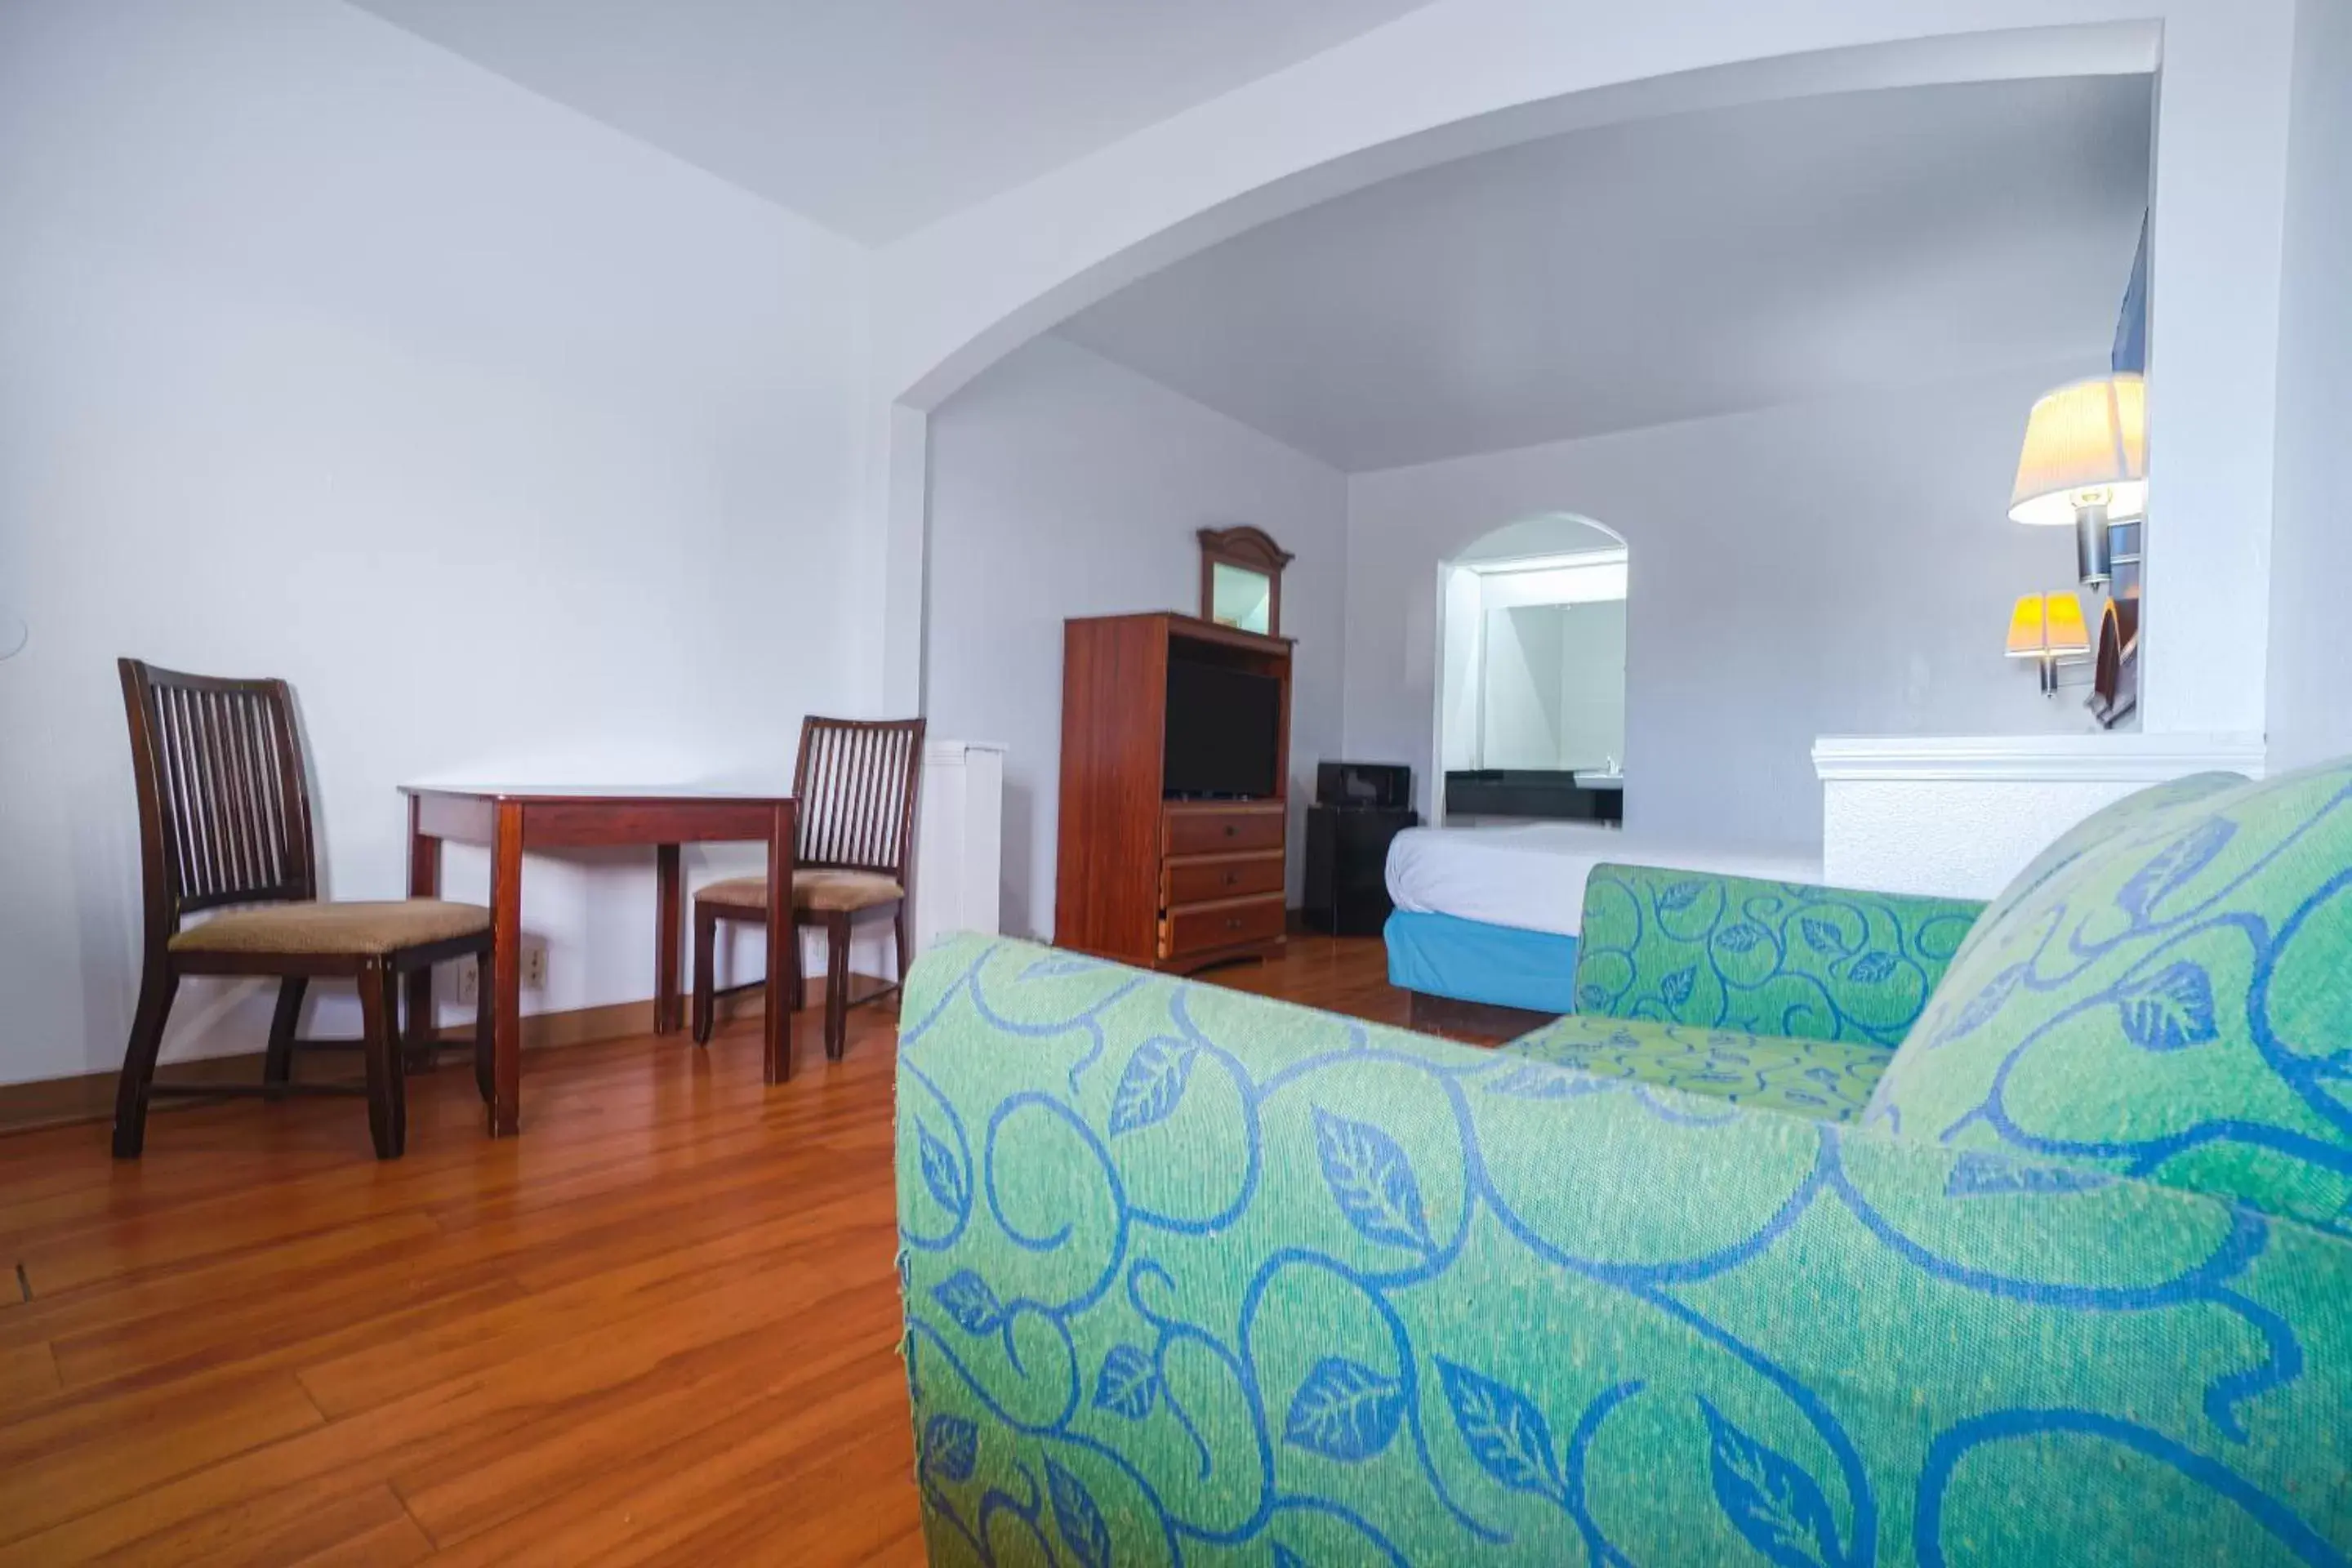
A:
[(1961, 815), (2127, 758)]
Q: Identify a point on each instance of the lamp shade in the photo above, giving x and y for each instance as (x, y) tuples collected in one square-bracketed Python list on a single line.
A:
[(2086, 445), (2027, 629), (2069, 638), (2049, 625)]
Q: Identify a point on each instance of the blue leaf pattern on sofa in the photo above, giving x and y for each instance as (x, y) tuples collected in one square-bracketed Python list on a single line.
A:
[(2174, 866), (950, 1448), (1344, 1411), (966, 1298), (1128, 1383), (942, 1172), (1080, 1522), (1398, 1301), (2167, 1010), (1974, 1175), (1768, 1498), (1374, 1187), (1770, 958), (1154, 1081), (1503, 1430)]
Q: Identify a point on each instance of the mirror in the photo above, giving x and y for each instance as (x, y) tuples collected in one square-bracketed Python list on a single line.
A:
[(1555, 688), (1241, 597), (1241, 579)]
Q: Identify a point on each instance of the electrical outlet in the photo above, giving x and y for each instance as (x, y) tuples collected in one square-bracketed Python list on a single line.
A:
[(470, 982), (535, 965)]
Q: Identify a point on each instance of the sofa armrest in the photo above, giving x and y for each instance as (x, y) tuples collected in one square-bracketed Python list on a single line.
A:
[(1193, 1275), (1773, 958)]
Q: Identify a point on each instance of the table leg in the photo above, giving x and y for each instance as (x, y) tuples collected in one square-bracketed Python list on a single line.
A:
[(424, 882), (667, 921), (505, 963), (783, 973)]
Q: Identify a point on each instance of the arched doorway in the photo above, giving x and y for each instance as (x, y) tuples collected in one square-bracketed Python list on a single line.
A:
[(1531, 629)]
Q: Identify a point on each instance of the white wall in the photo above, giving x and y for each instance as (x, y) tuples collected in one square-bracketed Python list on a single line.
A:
[(1839, 567), (1065, 485), (519, 448), (2311, 551), (1459, 76), (1462, 668), (1551, 536)]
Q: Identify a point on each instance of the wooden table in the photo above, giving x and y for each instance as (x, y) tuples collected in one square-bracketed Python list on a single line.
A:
[(511, 819)]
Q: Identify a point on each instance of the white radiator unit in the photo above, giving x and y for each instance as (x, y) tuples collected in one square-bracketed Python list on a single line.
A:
[(958, 840)]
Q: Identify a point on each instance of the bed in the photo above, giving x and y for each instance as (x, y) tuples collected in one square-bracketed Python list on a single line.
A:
[(1483, 933)]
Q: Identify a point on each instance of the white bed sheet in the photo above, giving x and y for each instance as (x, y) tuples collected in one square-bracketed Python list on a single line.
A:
[(1532, 875)]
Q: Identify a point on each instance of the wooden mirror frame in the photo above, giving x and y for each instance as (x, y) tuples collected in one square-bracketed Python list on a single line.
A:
[(1252, 549)]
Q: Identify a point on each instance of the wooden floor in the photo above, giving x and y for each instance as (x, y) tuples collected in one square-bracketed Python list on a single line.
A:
[(659, 1327)]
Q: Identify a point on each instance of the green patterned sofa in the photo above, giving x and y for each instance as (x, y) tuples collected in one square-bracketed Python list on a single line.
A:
[(1706, 1274)]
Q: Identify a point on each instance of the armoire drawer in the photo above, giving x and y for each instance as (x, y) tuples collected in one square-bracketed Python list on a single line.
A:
[(1201, 877), (1222, 829), (1227, 923)]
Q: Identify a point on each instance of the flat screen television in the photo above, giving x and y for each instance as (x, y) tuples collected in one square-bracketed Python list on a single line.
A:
[(1225, 732)]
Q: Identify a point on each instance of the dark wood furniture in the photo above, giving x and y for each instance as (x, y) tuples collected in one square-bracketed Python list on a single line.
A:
[(1252, 550), (225, 824), (1155, 882), (1347, 890), (2114, 676), (511, 819), (856, 781)]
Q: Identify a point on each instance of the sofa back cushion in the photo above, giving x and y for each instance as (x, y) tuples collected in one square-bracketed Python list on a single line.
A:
[(2166, 993), (1770, 958)]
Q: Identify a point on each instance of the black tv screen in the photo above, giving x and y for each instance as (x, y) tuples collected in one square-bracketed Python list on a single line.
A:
[(1225, 730)]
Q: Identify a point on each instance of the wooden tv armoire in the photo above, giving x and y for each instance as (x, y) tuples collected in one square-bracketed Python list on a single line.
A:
[(1148, 881)]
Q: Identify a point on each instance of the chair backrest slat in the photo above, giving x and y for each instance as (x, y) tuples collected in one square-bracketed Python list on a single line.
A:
[(856, 783), (223, 798)]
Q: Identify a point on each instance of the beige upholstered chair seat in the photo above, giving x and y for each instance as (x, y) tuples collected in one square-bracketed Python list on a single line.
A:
[(811, 889), (357, 928)]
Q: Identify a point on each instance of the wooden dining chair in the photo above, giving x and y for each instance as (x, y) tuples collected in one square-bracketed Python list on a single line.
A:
[(225, 823), (856, 783)]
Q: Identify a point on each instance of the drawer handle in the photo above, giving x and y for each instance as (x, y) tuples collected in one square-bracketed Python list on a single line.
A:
[(1232, 828), (1231, 877), (1233, 923)]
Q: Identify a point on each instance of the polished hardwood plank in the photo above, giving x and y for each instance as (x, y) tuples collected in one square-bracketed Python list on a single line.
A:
[(661, 1329)]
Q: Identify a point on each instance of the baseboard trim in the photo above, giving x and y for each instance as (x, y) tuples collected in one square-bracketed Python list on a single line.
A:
[(90, 1097)]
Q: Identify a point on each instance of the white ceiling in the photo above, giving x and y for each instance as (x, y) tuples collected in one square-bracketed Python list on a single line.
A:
[(875, 117), (1672, 269)]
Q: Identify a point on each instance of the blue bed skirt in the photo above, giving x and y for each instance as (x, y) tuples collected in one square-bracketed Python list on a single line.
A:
[(1471, 961)]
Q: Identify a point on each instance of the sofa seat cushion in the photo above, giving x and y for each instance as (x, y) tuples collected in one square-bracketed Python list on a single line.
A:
[(822, 889), (1823, 1080), (353, 928), (2166, 994)]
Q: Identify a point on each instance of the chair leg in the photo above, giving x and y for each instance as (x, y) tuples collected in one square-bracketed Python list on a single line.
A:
[(413, 1027), (485, 1028), (277, 1064), (705, 944), (795, 983), (899, 923), (156, 989), (387, 1094), (837, 983)]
